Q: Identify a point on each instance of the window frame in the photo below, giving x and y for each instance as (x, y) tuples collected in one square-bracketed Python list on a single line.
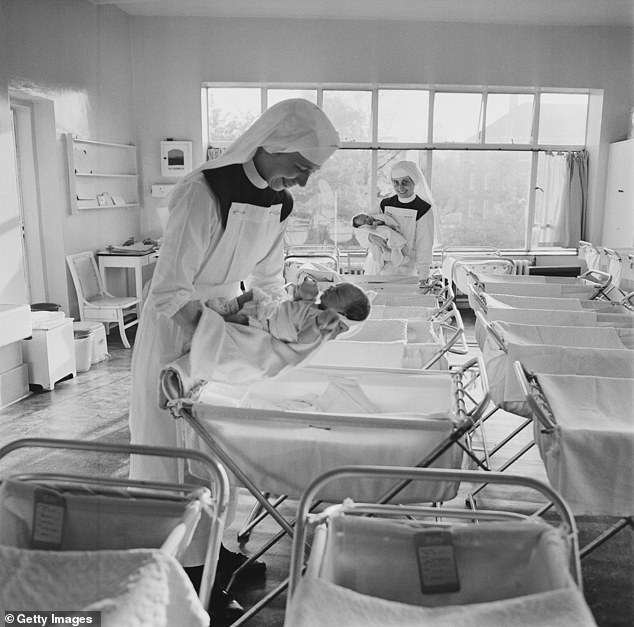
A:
[(430, 145)]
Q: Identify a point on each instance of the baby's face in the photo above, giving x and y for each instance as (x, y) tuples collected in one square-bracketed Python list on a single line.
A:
[(362, 220), (338, 296)]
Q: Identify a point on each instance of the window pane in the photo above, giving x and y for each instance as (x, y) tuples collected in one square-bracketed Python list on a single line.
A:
[(562, 119), (273, 96), (509, 118), (481, 197), (231, 110), (351, 113), (403, 115), (457, 117), (323, 210)]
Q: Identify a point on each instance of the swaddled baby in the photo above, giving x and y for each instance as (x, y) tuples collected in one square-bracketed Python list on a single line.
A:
[(383, 236), (306, 317)]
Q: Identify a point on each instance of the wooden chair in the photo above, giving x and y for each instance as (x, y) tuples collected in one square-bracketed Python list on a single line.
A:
[(95, 303)]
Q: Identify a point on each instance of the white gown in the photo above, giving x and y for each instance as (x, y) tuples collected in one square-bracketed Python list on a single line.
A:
[(195, 252)]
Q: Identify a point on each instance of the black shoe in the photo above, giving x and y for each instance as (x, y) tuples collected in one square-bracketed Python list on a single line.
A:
[(223, 609), (229, 561)]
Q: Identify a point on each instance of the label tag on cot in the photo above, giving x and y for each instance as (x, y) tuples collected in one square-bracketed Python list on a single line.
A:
[(436, 561), (49, 508)]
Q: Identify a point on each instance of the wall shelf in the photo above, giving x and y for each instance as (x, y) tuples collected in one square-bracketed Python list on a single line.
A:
[(101, 174)]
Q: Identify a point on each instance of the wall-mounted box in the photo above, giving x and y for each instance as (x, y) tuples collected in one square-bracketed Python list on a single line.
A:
[(160, 191), (176, 158)]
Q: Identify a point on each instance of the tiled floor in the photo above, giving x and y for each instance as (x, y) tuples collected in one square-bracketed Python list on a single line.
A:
[(94, 405)]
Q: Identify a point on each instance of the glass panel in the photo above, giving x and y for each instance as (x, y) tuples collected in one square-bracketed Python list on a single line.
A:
[(351, 113), (403, 115), (231, 110), (509, 118), (457, 117), (323, 210), (562, 119), (273, 96), (481, 197)]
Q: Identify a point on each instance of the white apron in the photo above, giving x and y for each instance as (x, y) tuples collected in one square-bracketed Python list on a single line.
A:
[(250, 233)]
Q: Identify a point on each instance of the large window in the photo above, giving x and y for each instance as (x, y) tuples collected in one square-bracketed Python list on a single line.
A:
[(479, 149)]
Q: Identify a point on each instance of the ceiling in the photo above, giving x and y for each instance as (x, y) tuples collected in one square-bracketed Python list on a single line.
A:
[(543, 12)]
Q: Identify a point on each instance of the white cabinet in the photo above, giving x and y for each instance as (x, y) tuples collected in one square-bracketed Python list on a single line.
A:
[(50, 353), (101, 174), (618, 216)]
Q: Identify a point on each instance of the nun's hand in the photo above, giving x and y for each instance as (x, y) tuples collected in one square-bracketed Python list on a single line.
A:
[(307, 289)]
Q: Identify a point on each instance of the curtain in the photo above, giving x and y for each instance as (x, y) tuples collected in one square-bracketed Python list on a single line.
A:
[(560, 214)]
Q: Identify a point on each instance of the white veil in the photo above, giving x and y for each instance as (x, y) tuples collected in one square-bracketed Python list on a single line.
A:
[(293, 125), (409, 168)]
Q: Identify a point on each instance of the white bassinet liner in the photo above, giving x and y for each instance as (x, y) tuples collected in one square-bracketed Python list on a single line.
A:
[(135, 588), (544, 290), (581, 337), (388, 330), (407, 312), (485, 278), (589, 457), (462, 269), (91, 521), (385, 282), (493, 560), (392, 329), (397, 354), (282, 438), (542, 316), (608, 362), (534, 302), (317, 603), (562, 335), (396, 299)]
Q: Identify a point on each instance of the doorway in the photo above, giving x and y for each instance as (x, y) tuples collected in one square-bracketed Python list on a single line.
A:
[(22, 127)]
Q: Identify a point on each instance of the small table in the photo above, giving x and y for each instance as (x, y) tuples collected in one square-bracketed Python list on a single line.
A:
[(133, 260)]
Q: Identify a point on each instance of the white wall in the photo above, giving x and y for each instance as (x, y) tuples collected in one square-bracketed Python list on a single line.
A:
[(77, 58), (173, 56), (137, 80)]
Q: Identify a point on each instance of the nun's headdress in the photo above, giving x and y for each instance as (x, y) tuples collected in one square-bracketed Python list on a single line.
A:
[(408, 168), (294, 125)]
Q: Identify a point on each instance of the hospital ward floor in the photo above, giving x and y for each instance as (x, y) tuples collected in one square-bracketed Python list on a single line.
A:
[(93, 406)]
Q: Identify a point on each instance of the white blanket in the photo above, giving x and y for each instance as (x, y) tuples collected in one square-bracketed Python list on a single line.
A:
[(589, 458), (229, 353), (135, 588), (317, 603)]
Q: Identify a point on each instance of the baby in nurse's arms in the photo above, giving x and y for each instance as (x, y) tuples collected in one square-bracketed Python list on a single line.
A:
[(306, 317), (384, 236)]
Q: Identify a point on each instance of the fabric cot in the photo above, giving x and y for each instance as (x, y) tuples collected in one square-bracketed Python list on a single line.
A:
[(589, 457), (280, 434)]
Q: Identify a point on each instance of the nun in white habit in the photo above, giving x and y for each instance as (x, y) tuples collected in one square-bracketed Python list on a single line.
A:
[(412, 208), (226, 225)]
